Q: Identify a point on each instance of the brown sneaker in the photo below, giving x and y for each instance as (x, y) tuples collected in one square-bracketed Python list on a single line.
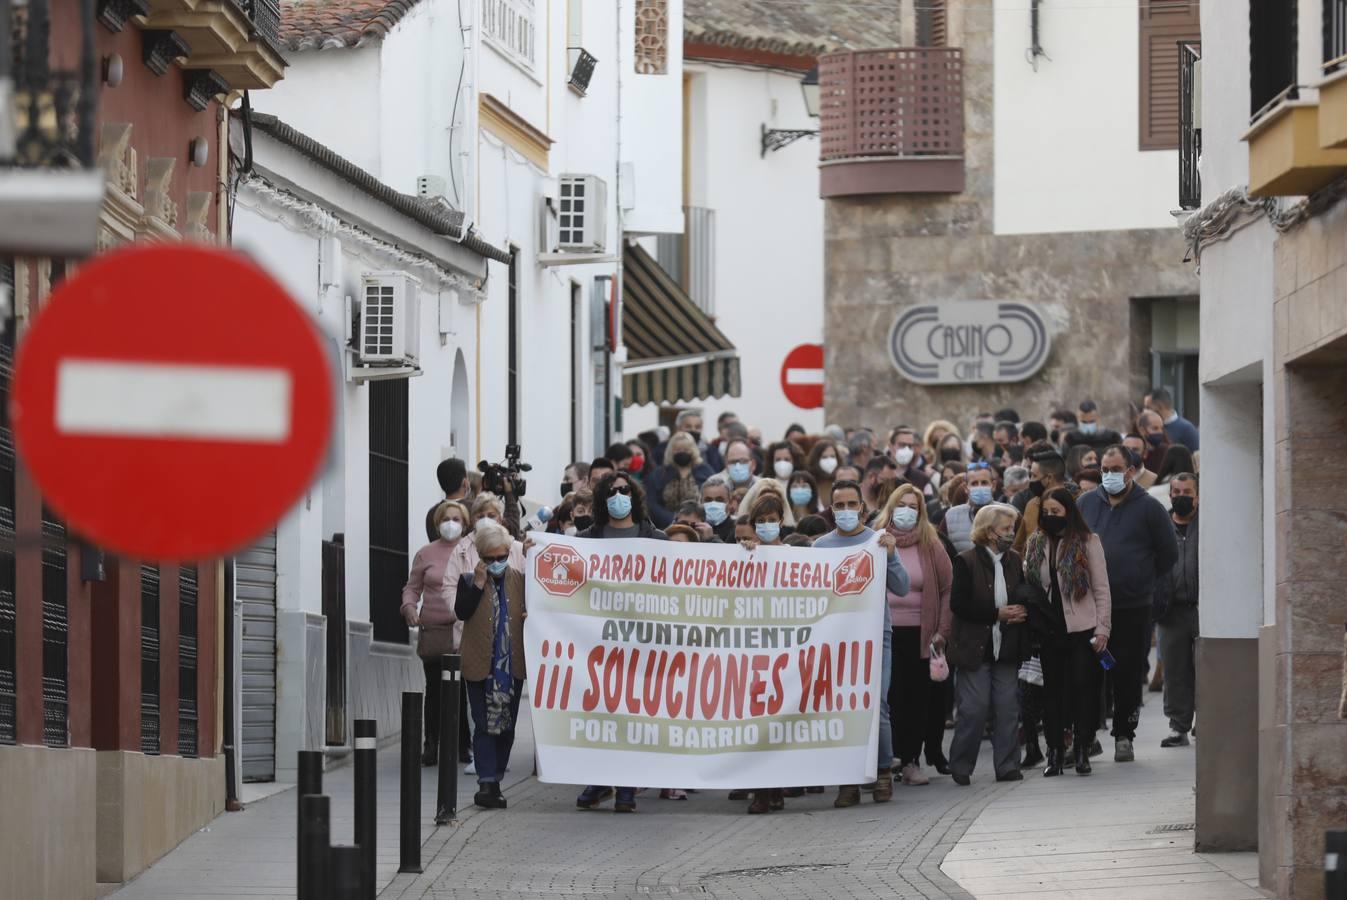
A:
[(884, 786), (847, 795), (760, 805)]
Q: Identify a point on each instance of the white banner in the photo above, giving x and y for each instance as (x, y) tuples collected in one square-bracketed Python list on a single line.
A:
[(669, 664)]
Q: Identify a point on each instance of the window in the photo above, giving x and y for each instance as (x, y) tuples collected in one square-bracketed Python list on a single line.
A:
[(1335, 35), (652, 37), (1190, 125), (55, 614), (509, 27), (8, 665), (149, 659), (577, 310), (187, 695), (512, 349), (932, 23), (1164, 25), (1272, 54), (388, 558)]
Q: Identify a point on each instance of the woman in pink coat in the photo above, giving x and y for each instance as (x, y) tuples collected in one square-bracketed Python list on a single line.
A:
[(1066, 560)]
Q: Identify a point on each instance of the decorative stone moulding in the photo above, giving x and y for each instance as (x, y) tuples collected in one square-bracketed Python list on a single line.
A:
[(159, 49), (117, 158), (195, 226), (159, 190), (114, 14), (200, 85)]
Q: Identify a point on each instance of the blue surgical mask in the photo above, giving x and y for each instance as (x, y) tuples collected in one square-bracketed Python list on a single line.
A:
[(904, 518), (738, 472), (1089, 427), (1115, 482), (715, 512), (847, 519), (799, 496), (768, 532), (497, 568), (619, 506), (980, 496)]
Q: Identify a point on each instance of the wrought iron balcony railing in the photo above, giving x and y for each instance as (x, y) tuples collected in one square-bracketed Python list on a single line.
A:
[(1190, 124), (582, 68)]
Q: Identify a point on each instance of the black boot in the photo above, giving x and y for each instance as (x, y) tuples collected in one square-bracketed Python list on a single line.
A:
[(488, 796), (1032, 756), (1082, 754), (1054, 766), (430, 755)]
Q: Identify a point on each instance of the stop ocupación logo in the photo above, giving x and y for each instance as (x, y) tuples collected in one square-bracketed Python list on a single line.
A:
[(560, 570), (854, 574)]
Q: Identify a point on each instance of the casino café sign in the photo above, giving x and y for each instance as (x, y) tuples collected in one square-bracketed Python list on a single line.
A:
[(968, 342)]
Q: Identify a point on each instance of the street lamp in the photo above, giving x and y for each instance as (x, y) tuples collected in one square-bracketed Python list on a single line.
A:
[(776, 138)]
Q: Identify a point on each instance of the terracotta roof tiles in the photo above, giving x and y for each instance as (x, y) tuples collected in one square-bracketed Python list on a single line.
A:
[(792, 27), (329, 24)]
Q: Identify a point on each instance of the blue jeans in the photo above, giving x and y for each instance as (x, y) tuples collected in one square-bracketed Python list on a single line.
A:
[(886, 681), (491, 751)]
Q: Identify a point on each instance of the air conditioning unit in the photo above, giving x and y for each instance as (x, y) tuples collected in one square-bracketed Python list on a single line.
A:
[(581, 210), (389, 317)]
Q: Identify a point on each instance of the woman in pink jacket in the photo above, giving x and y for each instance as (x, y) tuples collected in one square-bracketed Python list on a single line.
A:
[(1066, 560), (921, 621)]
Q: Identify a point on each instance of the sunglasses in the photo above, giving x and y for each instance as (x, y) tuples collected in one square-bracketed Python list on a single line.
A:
[(495, 559), (621, 489), (978, 465)]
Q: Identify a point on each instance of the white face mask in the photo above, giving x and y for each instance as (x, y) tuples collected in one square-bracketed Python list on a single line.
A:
[(903, 455), (451, 529), (904, 518), (828, 464), (783, 468)]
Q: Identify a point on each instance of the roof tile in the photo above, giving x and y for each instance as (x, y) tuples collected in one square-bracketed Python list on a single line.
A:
[(329, 24), (793, 27)]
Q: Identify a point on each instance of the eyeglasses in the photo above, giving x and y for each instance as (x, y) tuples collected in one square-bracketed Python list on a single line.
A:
[(621, 489), (495, 559)]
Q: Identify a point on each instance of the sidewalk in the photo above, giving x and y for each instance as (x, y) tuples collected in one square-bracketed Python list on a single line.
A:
[(252, 853), (1123, 832)]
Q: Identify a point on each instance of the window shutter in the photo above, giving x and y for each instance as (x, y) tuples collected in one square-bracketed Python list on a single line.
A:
[(1164, 23)]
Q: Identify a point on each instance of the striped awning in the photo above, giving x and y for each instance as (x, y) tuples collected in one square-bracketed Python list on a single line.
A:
[(675, 353)]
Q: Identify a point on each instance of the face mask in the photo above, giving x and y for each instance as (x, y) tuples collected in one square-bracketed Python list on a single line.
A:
[(682, 458), (566, 488), (903, 455), (1184, 506), (980, 496), (1114, 482), (1035, 489), (847, 519), (715, 512), (451, 529), (1003, 542), (583, 522), (800, 496), (1089, 427), (738, 472), (783, 468), (696, 437), (1156, 440), (768, 532), (1053, 525), (904, 518), (636, 464), (497, 568), (828, 464), (950, 454), (619, 506)]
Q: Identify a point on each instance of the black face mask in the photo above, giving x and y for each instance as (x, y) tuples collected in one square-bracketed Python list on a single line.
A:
[(1053, 525), (682, 458), (696, 437), (1036, 489), (1184, 506), (950, 454), (1157, 439), (582, 523), (566, 488)]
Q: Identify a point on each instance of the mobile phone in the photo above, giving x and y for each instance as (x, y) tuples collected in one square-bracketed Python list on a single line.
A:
[(1106, 660)]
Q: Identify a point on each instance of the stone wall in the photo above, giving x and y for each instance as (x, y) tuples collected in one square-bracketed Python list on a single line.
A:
[(884, 253)]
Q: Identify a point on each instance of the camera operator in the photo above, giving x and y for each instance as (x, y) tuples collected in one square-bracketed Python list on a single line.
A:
[(506, 481)]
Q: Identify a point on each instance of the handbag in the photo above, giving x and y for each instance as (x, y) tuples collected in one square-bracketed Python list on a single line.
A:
[(435, 641), (939, 665), (1031, 671)]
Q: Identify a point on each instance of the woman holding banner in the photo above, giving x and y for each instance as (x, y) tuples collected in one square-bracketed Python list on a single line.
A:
[(921, 623), (766, 516), (988, 641)]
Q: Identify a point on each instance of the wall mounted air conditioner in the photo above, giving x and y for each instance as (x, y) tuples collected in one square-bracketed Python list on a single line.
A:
[(388, 334), (581, 213)]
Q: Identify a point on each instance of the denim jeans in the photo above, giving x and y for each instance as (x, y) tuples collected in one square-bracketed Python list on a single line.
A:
[(886, 682), (491, 751)]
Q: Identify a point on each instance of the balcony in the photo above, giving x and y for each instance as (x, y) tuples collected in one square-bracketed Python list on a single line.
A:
[(891, 122), (238, 39), (1333, 90), (1190, 124)]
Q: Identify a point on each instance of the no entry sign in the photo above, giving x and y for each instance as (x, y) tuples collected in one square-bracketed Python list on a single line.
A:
[(802, 376), (171, 402)]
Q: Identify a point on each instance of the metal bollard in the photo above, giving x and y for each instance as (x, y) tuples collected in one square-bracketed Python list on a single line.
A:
[(310, 782), (315, 831), (446, 807), (1335, 865), (409, 832), (366, 801), (348, 877)]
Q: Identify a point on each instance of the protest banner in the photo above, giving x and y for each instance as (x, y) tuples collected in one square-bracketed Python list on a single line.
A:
[(671, 664)]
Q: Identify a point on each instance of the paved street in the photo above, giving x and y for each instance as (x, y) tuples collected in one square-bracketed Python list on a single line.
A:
[(1095, 838)]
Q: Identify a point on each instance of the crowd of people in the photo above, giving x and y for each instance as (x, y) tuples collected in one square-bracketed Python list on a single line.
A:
[(1033, 562)]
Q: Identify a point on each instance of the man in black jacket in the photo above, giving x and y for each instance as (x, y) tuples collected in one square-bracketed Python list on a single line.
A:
[(1176, 608), (1140, 547)]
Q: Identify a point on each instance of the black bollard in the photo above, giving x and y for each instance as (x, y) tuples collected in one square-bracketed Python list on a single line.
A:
[(310, 782), (366, 801), (446, 807), (348, 877), (1335, 865), (315, 831), (409, 833)]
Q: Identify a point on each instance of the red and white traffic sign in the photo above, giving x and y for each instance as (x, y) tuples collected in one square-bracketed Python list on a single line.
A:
[(172, 402), (802, 376)]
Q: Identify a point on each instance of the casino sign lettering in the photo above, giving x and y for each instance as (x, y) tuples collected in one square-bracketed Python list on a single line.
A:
[(969, 342)]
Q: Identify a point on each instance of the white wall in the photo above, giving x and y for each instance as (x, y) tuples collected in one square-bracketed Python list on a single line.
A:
[(1066, 136), (1225, 97)]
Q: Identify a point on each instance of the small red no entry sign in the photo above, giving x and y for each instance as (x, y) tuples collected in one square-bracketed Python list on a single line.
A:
[(172, 402)]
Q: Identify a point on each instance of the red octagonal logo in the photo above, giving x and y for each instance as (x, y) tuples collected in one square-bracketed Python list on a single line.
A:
[(560, 570), (854, 574)]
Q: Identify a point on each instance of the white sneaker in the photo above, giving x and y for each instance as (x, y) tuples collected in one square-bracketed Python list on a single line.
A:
[(913, 775), (470, 768)]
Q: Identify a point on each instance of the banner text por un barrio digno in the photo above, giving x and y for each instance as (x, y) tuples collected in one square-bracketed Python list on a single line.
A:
[(716, 643)]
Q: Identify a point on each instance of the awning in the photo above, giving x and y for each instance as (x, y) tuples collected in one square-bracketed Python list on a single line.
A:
[(675, 353)]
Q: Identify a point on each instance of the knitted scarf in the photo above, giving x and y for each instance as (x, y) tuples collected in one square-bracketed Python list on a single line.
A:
[(1073, 564), (905, 538)]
